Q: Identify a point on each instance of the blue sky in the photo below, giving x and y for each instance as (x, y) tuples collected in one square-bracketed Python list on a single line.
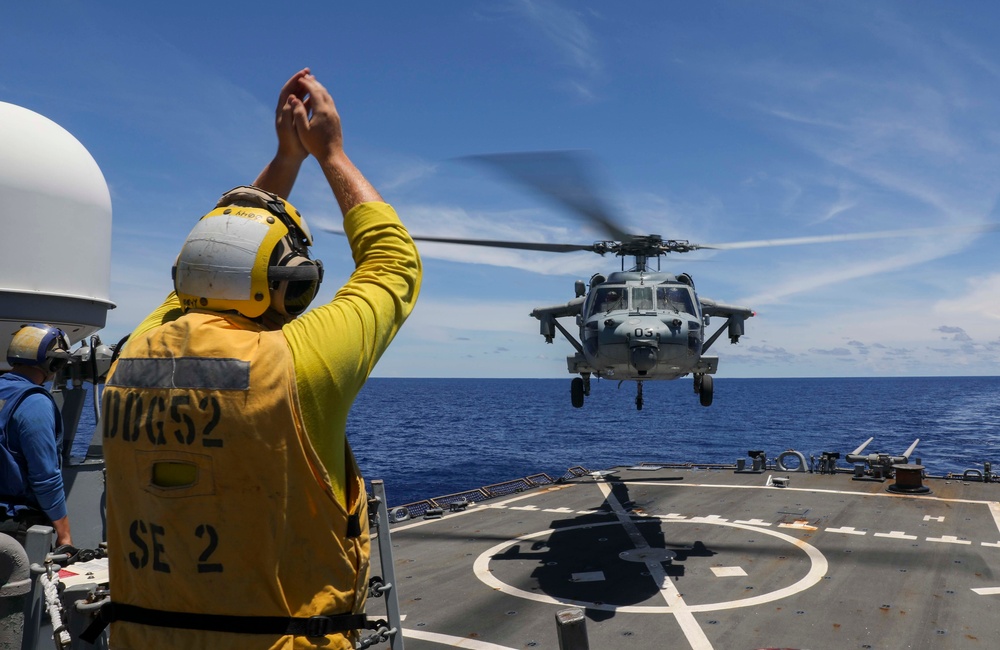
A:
[(713, 122)]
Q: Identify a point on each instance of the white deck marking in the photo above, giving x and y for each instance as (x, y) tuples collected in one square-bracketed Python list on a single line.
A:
[(995, 511), (896, 534), (801, 524), (453, 641), (728, 571), (685, 618), (818, 568), (993, 505), (847, 530), (674, 602), (501, 504), (986, 591), (753, 522), (948, 539), (937, 519)]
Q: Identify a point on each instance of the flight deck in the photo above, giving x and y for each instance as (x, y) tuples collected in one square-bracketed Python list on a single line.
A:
[(667, 557)]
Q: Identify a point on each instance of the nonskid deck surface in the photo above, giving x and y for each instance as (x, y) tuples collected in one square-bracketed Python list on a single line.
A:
[(675, 558)]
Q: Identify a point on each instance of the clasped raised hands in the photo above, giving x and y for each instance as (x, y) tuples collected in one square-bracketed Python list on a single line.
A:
[(307, 121)]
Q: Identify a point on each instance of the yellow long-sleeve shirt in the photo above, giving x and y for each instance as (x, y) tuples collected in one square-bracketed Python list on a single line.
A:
[(335, 346)]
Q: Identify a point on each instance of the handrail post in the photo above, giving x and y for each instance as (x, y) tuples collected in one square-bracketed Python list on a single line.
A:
[(391, 595)]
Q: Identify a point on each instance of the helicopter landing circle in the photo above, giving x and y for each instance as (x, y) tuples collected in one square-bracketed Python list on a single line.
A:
[(818, 567)]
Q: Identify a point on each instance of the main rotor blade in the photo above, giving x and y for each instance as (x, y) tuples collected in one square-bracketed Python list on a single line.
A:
[(549, 248), (858, 236), (564, 176), (526, 246)]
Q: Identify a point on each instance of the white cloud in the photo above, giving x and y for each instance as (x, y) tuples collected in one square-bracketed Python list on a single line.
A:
[(565, 29), (981, 300)]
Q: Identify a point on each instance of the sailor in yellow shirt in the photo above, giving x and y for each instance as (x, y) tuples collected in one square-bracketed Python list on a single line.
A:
[(237, 517)]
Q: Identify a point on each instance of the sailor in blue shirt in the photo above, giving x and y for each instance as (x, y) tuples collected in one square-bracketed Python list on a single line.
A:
[(31, 485)]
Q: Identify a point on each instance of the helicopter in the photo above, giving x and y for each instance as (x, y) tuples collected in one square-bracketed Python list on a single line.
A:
[(636, 323)]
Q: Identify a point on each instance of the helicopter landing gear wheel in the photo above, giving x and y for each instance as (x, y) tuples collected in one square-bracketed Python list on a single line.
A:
[(638, 397), (706, 390), (577, 391)]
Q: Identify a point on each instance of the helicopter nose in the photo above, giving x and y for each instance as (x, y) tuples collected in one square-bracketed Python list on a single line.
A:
[(643, 358)]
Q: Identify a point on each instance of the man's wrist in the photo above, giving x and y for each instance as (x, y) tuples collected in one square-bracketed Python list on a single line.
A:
[(335, 161), (289, 160)]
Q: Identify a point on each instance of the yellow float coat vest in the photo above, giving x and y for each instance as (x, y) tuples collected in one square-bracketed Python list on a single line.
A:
[(253, 528)]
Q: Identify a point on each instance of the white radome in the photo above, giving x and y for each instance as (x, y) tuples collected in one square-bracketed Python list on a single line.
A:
[(55, 215)]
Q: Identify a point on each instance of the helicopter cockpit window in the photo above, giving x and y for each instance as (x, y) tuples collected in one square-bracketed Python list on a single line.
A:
[(642, 299), (609, 298), (674, 298)]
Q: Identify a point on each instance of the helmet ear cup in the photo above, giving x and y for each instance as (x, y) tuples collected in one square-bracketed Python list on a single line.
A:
[(56, 364), (58, 355), (294, 280)]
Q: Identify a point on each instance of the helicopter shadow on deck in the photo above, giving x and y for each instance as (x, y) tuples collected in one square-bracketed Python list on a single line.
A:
[(581, 559)]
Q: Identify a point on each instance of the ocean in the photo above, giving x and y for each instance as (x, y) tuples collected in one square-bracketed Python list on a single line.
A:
[(431, 437)]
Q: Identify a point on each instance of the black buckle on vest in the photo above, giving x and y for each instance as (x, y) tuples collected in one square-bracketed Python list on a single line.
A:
[(318, 626)]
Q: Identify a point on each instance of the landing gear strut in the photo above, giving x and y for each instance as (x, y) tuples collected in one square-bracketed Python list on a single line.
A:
[(703, 386), (638, 396)]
